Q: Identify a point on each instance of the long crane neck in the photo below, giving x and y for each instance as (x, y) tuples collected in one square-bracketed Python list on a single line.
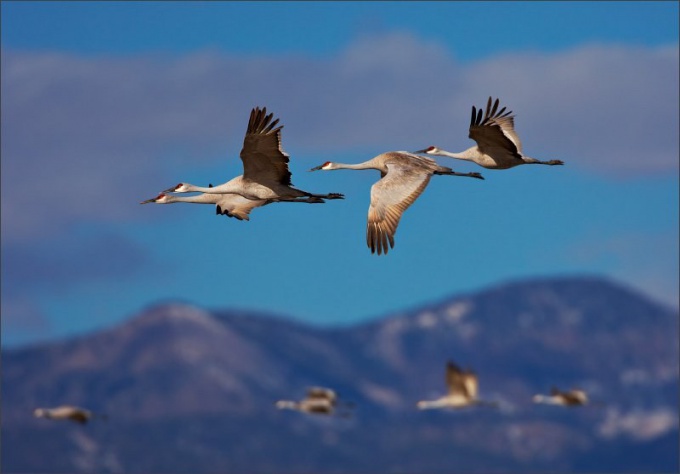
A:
[(198, 199), (468, 154), (428, 404), (287, 405), (366, 165)]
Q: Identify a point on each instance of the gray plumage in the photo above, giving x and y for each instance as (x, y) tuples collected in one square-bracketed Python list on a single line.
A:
[(404, 177), (498, 145), (266, 175)]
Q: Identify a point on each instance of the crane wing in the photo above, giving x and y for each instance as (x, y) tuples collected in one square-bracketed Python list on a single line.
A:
[(455, 379), (471, 384), (575, 397), (320, 406), (494, 131), (390, 197), (320, 393), (264, 161), (235, 205), (79, 417)]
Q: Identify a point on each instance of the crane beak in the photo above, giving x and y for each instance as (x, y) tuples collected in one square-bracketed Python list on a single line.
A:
[(148, 201), (169, 190), (316, 168), (424, 150)]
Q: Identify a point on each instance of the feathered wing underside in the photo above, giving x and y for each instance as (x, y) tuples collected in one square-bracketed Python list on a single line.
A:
[(471, 384), (264, 160), (321, 406), (319, 393), (574, 397), (461, 382), (235, 205), (494, 131), (390, 197)]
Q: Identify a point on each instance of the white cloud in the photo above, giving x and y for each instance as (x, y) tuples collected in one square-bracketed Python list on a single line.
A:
[(85, 138), (639, 425)]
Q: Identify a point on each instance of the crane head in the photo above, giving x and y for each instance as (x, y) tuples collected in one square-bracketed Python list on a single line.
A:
[(161, 199), (326, 166), (179, 188), (429, 150)]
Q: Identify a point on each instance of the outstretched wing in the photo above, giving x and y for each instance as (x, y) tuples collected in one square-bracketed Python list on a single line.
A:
[(235, 205), (320, 393), (390, 197), (471, 384), (264, 161), (575, 397), (79, 417), (494, 131), (455, 379)]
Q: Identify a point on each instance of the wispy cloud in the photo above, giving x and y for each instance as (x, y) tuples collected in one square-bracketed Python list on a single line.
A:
[(83, 138), (641, 425)]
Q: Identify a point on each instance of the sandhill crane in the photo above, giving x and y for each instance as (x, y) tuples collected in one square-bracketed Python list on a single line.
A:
[(231, 205), (498, 146), (66, 412), (265, 167), (319, 400), (572, 397), (463, 386), (404, 176)]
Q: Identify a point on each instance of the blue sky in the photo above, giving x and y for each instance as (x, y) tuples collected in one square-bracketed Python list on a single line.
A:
[(106, 103)]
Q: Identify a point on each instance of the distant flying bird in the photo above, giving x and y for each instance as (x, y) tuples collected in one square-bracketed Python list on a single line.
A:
[(572, 397), (498, 146), (404, 176), (231, 205), (463, 386), (66, 412), (265, 167), (319, 400)]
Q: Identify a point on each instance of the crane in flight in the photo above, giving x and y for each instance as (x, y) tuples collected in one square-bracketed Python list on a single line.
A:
[(463, 386), (404, 176), (66, 412), (570, 398), (265, 167), (231, 205), (319, 400), (498, 146)]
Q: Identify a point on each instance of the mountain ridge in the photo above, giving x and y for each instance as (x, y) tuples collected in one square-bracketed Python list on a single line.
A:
[(203, 384)]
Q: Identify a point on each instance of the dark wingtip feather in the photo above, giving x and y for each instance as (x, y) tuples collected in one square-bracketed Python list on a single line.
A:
[(494, 108), (488, 107)]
